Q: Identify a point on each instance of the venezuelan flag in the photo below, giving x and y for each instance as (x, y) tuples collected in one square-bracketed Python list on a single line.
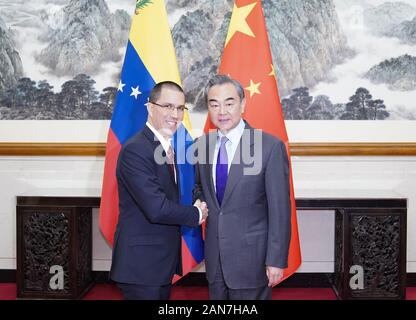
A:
[(149, 59)]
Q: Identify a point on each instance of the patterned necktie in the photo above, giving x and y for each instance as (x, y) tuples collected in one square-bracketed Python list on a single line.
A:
[(171, 161), (221, 170)]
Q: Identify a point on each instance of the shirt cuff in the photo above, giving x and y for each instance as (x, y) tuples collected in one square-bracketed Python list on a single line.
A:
[(200, 214)]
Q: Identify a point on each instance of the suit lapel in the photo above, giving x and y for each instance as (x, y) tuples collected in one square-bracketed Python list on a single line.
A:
[(212, 139), (156, 143), (237, 166)]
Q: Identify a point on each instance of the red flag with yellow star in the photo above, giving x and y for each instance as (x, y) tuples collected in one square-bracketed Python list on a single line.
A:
[(247, 58)]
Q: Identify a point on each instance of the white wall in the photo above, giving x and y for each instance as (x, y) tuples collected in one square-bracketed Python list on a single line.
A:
[(350, 177), (313, 177)]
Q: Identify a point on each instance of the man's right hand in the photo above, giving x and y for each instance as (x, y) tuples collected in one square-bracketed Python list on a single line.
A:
[(202, 205)]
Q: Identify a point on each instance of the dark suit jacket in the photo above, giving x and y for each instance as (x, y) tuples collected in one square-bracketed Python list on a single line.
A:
[(252, 228), (147, 241)]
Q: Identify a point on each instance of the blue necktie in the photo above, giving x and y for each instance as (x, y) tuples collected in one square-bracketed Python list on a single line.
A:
[(221, 170)]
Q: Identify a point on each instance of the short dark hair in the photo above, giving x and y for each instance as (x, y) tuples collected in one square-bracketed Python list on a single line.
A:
[(157, 89), (223, 79)]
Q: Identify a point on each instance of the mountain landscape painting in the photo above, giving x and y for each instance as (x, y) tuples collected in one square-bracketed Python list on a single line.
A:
[(334, 59)]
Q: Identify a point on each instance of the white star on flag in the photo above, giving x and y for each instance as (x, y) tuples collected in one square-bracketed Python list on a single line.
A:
[(135, 92), (121, 86)]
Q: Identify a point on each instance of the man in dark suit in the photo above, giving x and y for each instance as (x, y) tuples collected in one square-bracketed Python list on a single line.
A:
[(147, 241), (243, 175)]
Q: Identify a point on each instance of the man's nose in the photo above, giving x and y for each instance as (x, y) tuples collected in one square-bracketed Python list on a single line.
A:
[(174, 113), (222, 109)]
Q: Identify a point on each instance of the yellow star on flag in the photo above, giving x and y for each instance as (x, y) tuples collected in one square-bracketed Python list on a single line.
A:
[(238, 21), (272, 72), (253, 88)]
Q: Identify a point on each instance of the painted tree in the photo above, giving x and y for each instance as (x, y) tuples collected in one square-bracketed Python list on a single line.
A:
[(294, 107), (320, 109), (377, 110), (107, 98), (25, 93), (358, 106), (45, 97)]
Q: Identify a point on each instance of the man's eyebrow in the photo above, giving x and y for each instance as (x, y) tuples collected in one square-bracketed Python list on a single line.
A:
[(228, 99)]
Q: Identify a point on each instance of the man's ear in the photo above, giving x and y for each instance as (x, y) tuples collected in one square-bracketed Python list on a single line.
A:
[(243, 105), (149, 109)]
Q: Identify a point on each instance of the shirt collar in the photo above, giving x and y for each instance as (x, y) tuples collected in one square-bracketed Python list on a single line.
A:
[(165, 143), (234, 135)]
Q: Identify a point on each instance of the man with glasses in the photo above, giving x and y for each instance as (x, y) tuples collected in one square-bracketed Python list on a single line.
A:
[(147, 242), (243, 175)]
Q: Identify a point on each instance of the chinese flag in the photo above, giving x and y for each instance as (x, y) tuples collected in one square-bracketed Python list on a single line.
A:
[(247, 58)]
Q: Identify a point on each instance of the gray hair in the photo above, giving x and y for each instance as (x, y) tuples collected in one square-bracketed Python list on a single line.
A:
[(223, 79)]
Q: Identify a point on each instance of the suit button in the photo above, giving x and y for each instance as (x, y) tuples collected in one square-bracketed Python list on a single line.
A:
[(221, 213)]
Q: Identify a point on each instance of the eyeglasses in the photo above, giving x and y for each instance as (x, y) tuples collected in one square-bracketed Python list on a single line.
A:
[(170, 107)]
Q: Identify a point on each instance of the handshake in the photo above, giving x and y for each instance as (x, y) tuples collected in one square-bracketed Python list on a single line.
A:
[(202, 205)]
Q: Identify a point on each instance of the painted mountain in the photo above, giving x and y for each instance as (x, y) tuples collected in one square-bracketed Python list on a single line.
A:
[(58, 53), (398, 73), (61, 59), (10, 63), (380, 35), (306, 41)]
